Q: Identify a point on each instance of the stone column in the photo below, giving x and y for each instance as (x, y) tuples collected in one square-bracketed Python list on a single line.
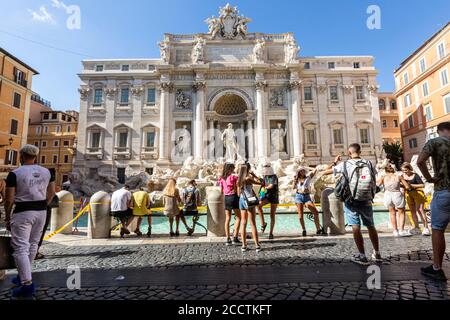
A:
[(261, 119), (199, 111), (349, 102), (138, 92), (211, 139), (297, 136), (164, 116), (251, 139)]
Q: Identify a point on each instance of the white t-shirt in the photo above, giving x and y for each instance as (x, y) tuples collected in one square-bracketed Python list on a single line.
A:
[(120, 200)]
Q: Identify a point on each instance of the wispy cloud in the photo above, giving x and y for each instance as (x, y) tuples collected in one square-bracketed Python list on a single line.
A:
[(42, 15), (60, 5)]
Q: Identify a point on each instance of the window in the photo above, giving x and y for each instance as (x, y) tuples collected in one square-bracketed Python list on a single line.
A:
[(16, 101), (308, 93), (356, 65), (447, 103), (55, 159), (413, 143), (36, 144), (54, 116), (360, 93), (125, 67), (151, 96), (66, 143), (393, 105), (385, 124), (382, 104), (124, 95), (14, 127), (38, 130), (408, 100), (364, 135), (428, 112), (58, 129), (66, 158), (441, 50), (11, 157), (307, 65), (331, 65), (423, 66), (334, 93), (20, 77), (405, 78), (45, 116), (99, 68), (43, 159), (410, 122), (63, 117), (123, 139), (98, 96), (150, 139), (311, 136), (45, 130), (338, 136), (444, 78), (95, 139), (425, 89), (395, 123), (56, 143), (121, 175), (44, 144), (69, 128)]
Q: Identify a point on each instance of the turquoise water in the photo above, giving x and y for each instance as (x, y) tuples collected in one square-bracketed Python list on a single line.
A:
[(286, 223)]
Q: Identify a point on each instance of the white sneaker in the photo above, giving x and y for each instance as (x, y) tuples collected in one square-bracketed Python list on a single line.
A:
[(395, 233), (404, 233), (426, 232), (414, 232)]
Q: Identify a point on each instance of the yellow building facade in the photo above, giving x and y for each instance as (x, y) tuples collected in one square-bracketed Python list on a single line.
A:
[(15, 95), (55, 134), (390, 123), (423, 92)]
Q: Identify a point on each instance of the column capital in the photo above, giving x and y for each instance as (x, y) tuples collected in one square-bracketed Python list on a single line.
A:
[(199, 85), (348, 88), (166, 86), (137, 91), (261, 85), (84, 92), (295, 84)]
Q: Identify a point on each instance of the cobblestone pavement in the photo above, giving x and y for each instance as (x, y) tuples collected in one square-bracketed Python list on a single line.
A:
[(403, 257)]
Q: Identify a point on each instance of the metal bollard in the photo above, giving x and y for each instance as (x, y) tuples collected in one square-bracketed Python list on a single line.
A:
[(62, 214), (333, 212), (216, 212), (99, 225)]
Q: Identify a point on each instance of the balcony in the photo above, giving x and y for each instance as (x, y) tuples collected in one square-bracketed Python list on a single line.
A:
[(122, 153), (149, 153), (94, 153), (22, 82)]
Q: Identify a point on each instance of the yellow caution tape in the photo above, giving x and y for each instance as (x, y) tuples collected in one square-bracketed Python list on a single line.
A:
[(78, 216)]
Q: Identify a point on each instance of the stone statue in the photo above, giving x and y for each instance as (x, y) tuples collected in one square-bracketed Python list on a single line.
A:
[(292, 50), (183, 143), (164, 49), (278, 136), (198, 52), (182, 100), (259, 51), (230, 25), (229, 139), (277, 98)]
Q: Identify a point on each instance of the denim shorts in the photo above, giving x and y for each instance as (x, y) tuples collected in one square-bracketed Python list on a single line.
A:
[(302, 198), (242, 203), (358, 211), (440, 210)]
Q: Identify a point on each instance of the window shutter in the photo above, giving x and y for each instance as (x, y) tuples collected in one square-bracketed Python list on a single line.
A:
[(14, 158)]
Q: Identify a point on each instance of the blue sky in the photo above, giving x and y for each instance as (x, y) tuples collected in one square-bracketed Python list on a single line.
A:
[(132, 28)]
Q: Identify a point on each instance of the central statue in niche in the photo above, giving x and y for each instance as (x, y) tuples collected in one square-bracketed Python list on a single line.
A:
[(229, 139)]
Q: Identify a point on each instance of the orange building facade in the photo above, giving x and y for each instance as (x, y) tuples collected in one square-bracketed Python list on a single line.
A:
[(55, 132), (15, 96), (390, 123), (423, 92)]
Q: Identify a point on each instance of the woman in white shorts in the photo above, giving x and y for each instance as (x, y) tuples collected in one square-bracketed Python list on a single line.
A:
[(394, 200)]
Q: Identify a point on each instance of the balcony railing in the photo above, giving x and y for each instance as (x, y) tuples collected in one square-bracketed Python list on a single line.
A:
[(22, 82)]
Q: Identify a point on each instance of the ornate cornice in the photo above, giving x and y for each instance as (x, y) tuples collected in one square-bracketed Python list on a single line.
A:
[(110, 92), (295, 84), (348, 88), (137, 91), (373, 88)]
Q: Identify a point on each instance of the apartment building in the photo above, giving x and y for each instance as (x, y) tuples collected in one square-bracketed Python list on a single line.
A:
[(390, 123)]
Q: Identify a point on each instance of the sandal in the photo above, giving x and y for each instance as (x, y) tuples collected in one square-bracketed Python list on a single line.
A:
[(39, 256), (138, 233), (271, 237), (190, 232), (177, 234), (263, 227), (172, 234)]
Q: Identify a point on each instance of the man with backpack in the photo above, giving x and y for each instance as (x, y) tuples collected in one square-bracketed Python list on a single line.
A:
[(357, 188), (191, 201)]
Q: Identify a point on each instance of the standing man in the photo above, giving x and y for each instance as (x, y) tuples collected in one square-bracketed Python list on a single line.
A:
[(30, 188), (121, 202), (439, 151), (361, 177)]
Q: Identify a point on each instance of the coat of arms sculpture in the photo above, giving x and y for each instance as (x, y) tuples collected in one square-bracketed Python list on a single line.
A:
[(229, 25)]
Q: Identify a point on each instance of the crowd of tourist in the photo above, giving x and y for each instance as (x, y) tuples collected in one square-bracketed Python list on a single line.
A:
[(30, 189)]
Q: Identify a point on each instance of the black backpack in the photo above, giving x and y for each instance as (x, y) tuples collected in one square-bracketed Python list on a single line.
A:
[(190, 199), (342, 190)]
